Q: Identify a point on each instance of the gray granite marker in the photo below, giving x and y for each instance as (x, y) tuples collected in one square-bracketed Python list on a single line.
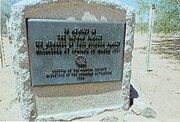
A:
[(72, 59)]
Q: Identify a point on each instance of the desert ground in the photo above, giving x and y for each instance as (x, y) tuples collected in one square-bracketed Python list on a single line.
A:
[(158, 89)]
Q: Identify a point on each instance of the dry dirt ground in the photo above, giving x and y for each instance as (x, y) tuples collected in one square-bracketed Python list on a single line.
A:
[(158, 89)]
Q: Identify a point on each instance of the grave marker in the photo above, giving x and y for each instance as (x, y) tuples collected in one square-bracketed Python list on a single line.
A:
[(72, 59)]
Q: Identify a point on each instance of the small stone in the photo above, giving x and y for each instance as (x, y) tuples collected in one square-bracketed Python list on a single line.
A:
[(109, 119), (148, 113), (136, 110)]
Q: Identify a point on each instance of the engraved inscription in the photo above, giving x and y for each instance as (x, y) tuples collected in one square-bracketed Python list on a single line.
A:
[(78, 41)]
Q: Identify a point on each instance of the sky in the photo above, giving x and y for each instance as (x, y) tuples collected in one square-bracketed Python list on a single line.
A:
[(131, 3), (13, 1)]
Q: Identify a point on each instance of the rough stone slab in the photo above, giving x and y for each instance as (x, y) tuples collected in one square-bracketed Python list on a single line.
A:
[(148, 113), (26, 94)]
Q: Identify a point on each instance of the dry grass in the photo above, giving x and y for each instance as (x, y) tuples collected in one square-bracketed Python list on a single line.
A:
[(169, 48)]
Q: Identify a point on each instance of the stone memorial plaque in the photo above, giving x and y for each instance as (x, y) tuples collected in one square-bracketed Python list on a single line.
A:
[(66, 52)]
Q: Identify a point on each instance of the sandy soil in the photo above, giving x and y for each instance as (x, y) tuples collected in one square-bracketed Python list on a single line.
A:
[(158, 89)]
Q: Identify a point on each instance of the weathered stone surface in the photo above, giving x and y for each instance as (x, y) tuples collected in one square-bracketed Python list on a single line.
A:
[(149, 113), (55, 102)]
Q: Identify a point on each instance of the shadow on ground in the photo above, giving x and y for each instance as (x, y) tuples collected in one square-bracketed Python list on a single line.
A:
[(133, 94), (170, 48)]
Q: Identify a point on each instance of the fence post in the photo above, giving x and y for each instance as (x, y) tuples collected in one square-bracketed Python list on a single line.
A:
[(149, 43)]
